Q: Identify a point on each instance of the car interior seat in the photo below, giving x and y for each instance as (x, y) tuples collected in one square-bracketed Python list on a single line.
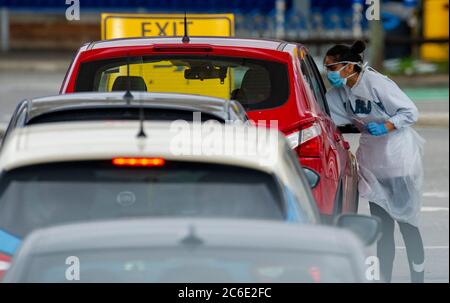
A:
[(255, 87), (136, 83)]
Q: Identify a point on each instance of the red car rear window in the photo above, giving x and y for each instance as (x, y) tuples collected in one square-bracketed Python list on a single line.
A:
[(257, 84)]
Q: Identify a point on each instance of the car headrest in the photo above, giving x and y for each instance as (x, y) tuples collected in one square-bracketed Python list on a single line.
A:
[(136, 83), (256, 85)]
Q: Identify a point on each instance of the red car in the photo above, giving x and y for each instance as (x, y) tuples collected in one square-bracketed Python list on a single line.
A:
[(273, 80)]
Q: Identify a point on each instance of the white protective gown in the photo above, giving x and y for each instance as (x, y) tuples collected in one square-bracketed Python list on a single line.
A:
[(390, 166)]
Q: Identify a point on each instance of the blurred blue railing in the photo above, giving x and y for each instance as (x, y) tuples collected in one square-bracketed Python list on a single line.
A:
[(254, 18), (152, 5)]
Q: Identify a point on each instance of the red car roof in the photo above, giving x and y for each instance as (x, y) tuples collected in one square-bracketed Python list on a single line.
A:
[(215, 41)]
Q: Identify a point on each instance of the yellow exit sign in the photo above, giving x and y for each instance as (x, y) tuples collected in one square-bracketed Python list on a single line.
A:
[(165, 25)]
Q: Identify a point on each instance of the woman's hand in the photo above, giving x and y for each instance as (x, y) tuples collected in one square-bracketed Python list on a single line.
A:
[(380, 129)]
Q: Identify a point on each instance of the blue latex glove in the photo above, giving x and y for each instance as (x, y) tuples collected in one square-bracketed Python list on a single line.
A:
[(377, 129)]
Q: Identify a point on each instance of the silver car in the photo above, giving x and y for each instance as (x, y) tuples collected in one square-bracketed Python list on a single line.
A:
[(189, 251), (115, 106)]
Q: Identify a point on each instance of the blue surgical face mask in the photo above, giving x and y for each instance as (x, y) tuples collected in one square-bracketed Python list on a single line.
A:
[(335, 76)]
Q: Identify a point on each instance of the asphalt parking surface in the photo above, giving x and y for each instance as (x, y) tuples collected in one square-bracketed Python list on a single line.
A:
[(15, 87)]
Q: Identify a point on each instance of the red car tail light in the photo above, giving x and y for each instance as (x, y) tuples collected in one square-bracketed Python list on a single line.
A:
[(314, 272), (310, 141), (139, 162), (5, 262)]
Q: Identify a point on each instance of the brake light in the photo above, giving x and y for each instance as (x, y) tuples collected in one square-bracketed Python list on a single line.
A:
[(138, 162), (5, 263), (314, 272), (189, 48), (310, 141)]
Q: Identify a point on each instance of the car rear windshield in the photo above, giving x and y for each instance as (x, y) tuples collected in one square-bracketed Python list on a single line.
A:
[(125, 113), (184, 265), (46, 195), (257, 84)]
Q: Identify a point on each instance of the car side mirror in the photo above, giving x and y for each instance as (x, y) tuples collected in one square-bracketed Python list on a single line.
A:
[(366, 228), (312, 177)]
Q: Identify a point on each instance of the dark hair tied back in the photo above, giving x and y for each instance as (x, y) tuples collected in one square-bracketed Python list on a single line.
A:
[(352, 53), (358, 47)]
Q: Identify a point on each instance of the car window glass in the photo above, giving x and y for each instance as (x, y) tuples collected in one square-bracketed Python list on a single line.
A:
[(256, 84), (119, 113), (319, 87), (310, 78), (204, 264), (40, 196)]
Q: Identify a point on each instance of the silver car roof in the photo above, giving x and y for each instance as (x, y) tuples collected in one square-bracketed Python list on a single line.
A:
[(225, 109), (258, 234), (238, 235)]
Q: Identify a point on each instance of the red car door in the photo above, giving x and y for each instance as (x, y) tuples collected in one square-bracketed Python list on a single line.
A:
[(347, 167)]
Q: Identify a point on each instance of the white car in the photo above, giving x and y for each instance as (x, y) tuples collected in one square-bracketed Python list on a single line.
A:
[(56, 173)]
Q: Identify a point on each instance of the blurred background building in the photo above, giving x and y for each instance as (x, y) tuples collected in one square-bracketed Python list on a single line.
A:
[(406, 24)]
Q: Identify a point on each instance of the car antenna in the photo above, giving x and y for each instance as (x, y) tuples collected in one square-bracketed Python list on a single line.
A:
[(141, 133), (128, 95), (186, 38), (191, 239)]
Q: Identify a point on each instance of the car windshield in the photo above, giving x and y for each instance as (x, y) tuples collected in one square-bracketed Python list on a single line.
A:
[(183, 265), (257, 84), (45, 195), (118, 113)]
